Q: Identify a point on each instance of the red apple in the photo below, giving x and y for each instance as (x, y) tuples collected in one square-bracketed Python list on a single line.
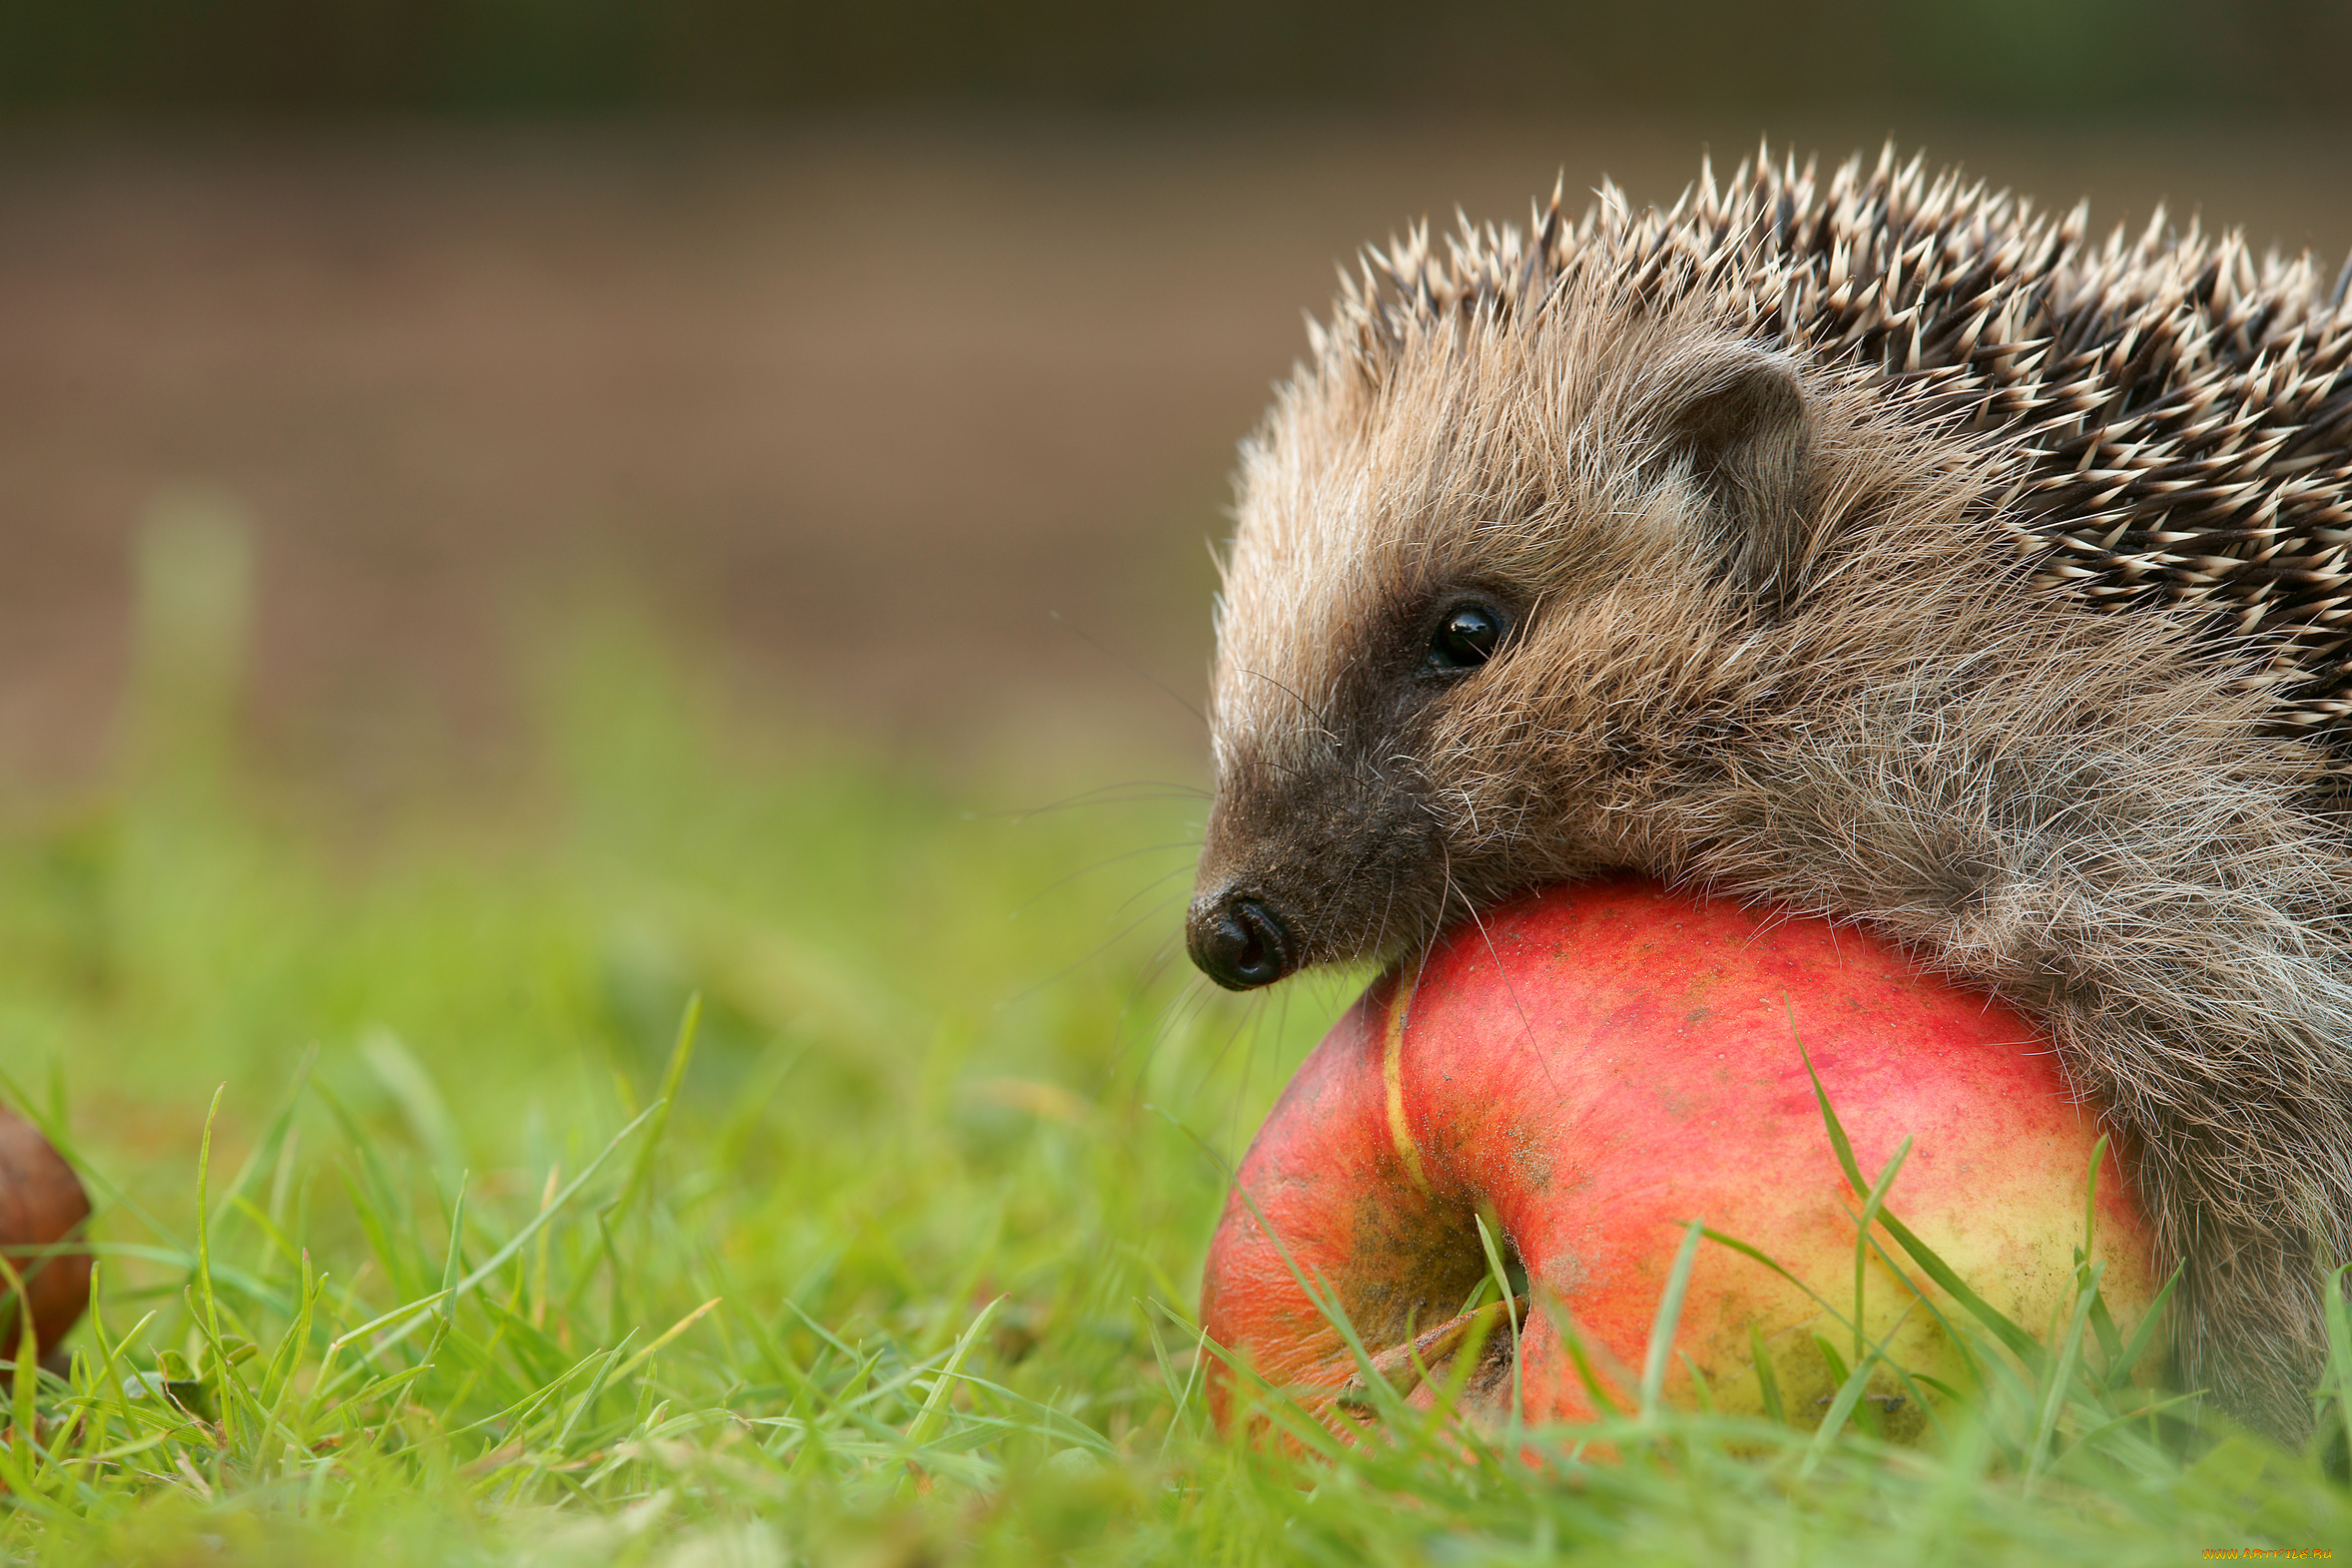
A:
[(41, 1204), (1592, 1068)]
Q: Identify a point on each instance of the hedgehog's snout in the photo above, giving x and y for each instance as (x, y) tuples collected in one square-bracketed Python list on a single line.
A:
[(1239, 940)]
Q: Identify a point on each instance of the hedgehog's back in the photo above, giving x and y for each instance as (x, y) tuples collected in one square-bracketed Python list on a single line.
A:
[(2176, 415)]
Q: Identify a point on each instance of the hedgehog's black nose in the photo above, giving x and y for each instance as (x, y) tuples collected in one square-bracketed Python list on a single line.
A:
[(1238, 942)]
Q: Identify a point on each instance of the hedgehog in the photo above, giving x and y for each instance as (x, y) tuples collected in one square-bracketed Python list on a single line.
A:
[(1880, 548)]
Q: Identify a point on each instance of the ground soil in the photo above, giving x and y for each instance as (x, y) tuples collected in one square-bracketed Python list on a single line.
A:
[(863, 405)]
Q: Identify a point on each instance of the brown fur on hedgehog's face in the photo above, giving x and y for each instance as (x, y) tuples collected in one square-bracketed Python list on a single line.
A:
[(1590, 495)]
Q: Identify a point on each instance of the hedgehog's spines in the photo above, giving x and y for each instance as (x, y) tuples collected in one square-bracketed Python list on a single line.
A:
[(2179, 408)]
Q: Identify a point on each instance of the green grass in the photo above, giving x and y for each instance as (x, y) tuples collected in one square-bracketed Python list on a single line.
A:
[(430, 1235)]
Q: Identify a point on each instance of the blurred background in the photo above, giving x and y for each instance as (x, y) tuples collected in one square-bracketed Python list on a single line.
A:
[(893, 355)]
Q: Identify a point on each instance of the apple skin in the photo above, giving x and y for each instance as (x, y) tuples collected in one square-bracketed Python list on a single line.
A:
[(41, 1203), (1592, 1067)]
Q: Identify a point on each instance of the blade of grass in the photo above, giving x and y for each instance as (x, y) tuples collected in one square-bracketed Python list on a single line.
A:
[(2091, 1199), (1767, 1381), (203, 1254), (587, 1402), (2055, 1382), (278, 1383), (2145, 1334), (110, 1354), (232, 1397), (1871, 1208), (407, 1315), (673, 1074), (2020, 1342), (668, 1335), (1572, 1338), (1667, 1319), (1324, 1301), (457, 1252), (927, 1421), (1502, 1278), (1180, 1397), (24, 1384), (273, 1133)]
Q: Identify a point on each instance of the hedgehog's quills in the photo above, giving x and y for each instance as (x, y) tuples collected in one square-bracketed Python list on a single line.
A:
[(1880, 549)]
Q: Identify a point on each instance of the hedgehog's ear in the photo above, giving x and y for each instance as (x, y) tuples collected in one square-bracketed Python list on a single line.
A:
[(1737, 416)]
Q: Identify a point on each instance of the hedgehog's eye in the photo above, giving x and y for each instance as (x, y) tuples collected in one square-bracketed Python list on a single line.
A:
[(1464, 640)]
